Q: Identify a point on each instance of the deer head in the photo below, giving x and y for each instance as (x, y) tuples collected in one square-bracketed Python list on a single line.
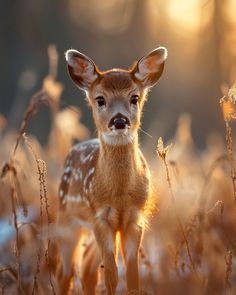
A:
[(116, 96)]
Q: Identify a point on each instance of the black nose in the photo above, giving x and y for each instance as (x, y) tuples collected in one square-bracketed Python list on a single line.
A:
[(119, 123)]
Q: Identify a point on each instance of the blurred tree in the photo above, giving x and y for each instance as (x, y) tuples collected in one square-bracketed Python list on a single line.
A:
[(199, 34)]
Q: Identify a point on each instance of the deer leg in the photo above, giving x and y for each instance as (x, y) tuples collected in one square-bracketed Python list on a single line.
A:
[(105, 237), (89, 266), (130, 242), (66, 246)]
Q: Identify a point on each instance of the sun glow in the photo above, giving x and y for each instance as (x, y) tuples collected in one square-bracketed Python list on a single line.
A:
[(182, 16), (185, 13)]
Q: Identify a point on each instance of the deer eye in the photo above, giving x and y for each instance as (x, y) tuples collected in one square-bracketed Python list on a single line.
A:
[(134, 99), (100, 101)]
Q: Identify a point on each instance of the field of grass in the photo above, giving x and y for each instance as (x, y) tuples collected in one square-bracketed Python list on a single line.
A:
[(189, 246)]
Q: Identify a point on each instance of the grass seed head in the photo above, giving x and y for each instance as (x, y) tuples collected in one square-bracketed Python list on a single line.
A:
[(162, 151), (228, 104)]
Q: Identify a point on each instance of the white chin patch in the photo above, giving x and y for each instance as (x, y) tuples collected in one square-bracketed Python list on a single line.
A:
[(118, 137)]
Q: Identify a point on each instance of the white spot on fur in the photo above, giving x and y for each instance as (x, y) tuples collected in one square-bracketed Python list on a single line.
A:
[(90, 172), (90, 186), (61, 193), (84, 145), (87, 202), (84, 159), (78, 174), (80, 147), (65, 177), (73, 198), (94, 142), (68, 169), (85, 180)]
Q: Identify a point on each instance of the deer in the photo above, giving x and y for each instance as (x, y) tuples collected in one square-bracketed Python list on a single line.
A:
[(106, 182)]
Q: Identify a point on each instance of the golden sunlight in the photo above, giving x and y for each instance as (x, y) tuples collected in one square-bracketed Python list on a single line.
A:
[(183, 16), (186, 14), (230, 10)]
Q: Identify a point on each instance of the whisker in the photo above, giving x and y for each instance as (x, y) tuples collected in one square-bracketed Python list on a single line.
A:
[(145, 132)]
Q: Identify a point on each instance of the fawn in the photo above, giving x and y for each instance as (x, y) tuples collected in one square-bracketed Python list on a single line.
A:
[(106, 181)]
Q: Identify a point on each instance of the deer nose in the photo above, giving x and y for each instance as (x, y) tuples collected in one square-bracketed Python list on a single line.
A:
[(119, 122)]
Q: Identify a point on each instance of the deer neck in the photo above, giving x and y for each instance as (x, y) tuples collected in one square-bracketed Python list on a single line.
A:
[(118, 160)]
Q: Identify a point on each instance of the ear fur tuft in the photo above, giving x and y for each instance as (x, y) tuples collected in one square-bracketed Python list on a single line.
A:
[(81, 68), (149, 69)]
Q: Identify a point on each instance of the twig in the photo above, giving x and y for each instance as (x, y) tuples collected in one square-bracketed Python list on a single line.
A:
[(162, 152), (208, 177), (41, 166), (230, 151), (9, 167), (17, 244), (178, 218), (228, 272), (32, 109), (228, 105)]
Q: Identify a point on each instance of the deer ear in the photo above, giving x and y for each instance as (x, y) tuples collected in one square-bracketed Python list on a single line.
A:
[(81, 68), (148, 70)]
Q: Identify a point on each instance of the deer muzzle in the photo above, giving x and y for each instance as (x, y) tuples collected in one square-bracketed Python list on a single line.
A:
[(119, 122)]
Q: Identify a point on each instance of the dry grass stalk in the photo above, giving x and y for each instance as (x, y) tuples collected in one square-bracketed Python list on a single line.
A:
[(228, 272), (191, 225), (229, 113), (50, 90), (37, 270), (210, 228), (11, 273), (17, 245), (217, 204), (35, 102), (207, 180), (41, 166), (225, 234), (9, 169), (230, 149), (162, 152)]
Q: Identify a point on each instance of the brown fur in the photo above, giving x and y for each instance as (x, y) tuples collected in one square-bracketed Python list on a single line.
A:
[(116, 80), (115, 184)]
